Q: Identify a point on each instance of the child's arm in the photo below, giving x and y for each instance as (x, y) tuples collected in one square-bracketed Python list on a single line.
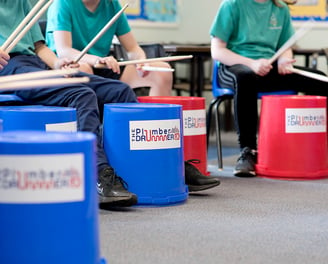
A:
[(50, 58)]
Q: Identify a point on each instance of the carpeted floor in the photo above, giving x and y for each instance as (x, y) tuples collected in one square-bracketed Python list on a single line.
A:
[(246, 221)]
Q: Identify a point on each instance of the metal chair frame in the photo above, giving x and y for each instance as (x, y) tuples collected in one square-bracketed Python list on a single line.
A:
[(220, 95)]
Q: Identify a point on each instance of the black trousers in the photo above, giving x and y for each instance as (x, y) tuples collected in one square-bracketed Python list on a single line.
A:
[(247, 85)]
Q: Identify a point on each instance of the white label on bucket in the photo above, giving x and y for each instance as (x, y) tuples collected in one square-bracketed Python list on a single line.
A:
[(306, 120), (155, 134), (194, 122), (65, 127), (41, 178)]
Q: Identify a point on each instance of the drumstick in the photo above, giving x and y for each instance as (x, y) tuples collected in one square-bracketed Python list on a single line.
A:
[(169, 58), (292, 40), (22, 24), (37, 75), (99, 35), (160, 69), (42, 83), (28, 26), (312, 75)]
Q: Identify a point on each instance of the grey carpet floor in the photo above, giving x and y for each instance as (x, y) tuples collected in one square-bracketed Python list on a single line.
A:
[(248, 221)]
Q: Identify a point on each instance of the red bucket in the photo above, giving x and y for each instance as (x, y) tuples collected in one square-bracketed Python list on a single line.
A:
[(293, 137), (194, 125)]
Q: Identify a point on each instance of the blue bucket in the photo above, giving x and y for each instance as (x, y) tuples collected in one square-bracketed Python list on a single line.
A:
[(38, 117), (48, 198), (144, 144)]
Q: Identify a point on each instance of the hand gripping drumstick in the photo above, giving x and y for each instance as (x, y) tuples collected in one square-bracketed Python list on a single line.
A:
[(28, 26), (169, 58), (99, 35), (299, 34), (292, 40)]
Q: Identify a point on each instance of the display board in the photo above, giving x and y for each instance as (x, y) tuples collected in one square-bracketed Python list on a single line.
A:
[(152, 11), (305, 9)]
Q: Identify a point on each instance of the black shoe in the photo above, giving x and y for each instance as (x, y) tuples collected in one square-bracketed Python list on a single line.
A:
[(195, 180), (245, 166), (141, 91), (112, 189)]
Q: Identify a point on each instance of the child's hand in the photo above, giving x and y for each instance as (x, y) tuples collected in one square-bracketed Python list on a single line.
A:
[(141, 72), (284, 65), (65, 63), (111, 63), (261, 66), (4, 58)]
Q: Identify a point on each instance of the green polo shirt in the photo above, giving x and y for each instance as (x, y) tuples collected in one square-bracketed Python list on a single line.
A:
[(73, 16), (252, 29)]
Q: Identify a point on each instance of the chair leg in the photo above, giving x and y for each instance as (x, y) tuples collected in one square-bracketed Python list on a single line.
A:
[(209, 120), (218, 134), (214, 106)]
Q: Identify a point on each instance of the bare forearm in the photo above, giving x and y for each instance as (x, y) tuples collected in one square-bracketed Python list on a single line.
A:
[(136, 54), (229, 58), (46, 55), (134, 51), (221, 53), (71, 53), (51, 59), (287, 54)]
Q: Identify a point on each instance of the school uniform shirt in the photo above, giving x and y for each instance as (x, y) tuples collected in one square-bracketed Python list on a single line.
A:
[(73, 16), (12, 13), (252, 29)]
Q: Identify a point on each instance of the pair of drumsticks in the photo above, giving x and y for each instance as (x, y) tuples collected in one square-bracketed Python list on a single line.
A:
[(290, 42), (34, 79)]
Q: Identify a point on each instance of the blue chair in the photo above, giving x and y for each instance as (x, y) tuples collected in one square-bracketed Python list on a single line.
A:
[(11, 99), (220, 95)]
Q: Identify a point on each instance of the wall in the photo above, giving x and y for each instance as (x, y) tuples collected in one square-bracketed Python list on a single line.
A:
[(195, 19)]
